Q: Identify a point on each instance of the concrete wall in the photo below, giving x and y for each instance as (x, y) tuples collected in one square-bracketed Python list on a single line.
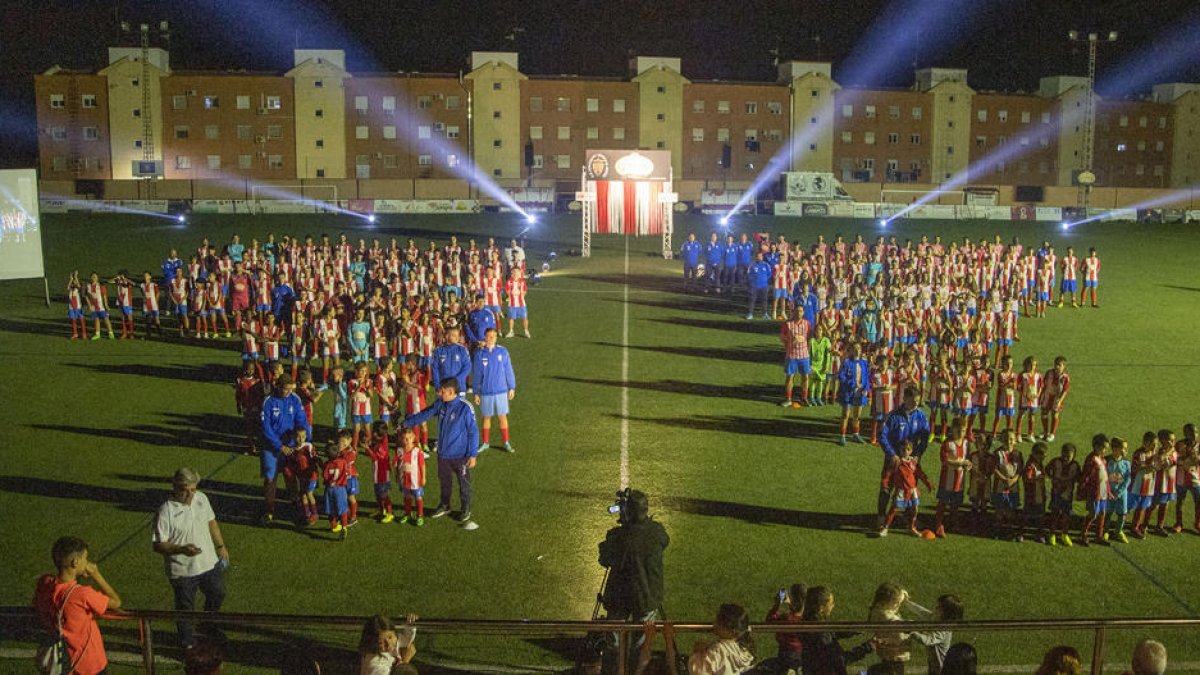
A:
[(805, 131), (950, 129), (665, 133), (496, 117)]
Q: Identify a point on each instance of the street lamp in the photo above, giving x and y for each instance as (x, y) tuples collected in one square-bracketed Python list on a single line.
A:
[(1087, 177)]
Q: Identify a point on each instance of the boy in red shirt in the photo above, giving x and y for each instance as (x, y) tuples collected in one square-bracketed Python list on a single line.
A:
[(337, 476), (61, 594), (248, 395), (903, 477), (953, 483), (1093, 489), (381, 467), (307, 466), (1187, 476), (1029, 392)]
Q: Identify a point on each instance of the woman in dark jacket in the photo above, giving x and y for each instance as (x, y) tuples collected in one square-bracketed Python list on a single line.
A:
[(822, 653)]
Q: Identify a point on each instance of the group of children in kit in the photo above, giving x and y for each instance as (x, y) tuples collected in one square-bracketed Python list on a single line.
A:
[(1112, 484)]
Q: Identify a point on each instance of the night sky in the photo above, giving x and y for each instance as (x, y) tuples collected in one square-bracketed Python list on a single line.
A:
[(1006, 44)]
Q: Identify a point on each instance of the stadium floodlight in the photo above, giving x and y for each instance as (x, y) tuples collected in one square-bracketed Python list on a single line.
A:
[(724, 221), (530, 218), (883, 222), (1066, 225), (182, 219), (371, 218)]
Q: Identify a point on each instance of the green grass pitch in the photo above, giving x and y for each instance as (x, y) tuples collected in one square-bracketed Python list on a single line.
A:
[(754, 496)]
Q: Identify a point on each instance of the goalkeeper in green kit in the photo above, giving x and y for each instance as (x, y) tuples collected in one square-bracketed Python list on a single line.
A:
[(819, 352)]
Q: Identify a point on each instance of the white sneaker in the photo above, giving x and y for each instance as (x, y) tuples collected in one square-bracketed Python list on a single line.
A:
[(527, 334), (508, 334), (482, 447), (883, 532), (470, 525), (1049, 438)]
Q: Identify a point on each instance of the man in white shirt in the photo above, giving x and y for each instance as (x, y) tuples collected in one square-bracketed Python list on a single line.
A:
[(188, 537)]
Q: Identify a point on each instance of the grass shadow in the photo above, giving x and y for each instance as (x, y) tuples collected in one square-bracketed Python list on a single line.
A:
[(737, 325), (779, 427), (200, 431), (856, 523), (745, 392), (212, 372), (746, 354)]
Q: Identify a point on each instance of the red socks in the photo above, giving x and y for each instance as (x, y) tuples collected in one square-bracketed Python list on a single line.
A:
[(504, 434), (353, 511), (387, 504), (485, 433)]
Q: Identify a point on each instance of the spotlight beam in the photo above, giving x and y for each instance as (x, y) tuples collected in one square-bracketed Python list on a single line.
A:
[(1172, 197)]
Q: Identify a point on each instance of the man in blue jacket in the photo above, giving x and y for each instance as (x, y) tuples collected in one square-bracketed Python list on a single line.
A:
[(759, 283), (690, 254), (282, 416), (905, 423), (495, 386), (458, 440), (451, 360), (282, 300), (745, 257), (171, 267), (478, 321), (729, 264), (714, 255)]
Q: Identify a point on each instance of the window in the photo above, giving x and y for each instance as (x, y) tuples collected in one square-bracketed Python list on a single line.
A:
[(178, 102), (752, 134), (893, 112), (211, 102), (535, 103), (1158, 170), (1140, 170), (91, 134), (274, 103), (870, 112), (1162, 122), (451, 160), (593, 133), (847, 111), (1044, 142), (723, 135), (917, 112), (214, 162), (453, 103), (389, 132), (1123, 121), (869, 164), (949, 149), (58, 163), (1002, 115), (950, 124), (751, 107), (563, 104), (275, 162), (319, 83), (539, 161), (497, 172), (562, 161), (424, 102), (619, 105), (698, 106), (452, 132), (661, 117), (618, 133), (1043, 167), (535, 133), (497, 86), (58, 101), (495, 114), (87, 100), (424, 160), (245, 161), (914, 139), (592, 104), (1045, 118), (847, 137), (243, 103), (1120, 147), (981, 115), (1158, 146), (914, 165), (275, 131), (360, 104), (362, 132), (813, 93), (181, 132), (497, 143), (893, 165), (362, 169), (320, 173), (212, 132), (723, 107), (390, 162), (389, 105), (698, 134), (1141, 146), (660, 144), (661, 89), (1024, 117), (893, 138), (319, 113), (137, 112), (773, 134), (564, 133), (1143, 121), (424, 131), (1022, 167), (183, 162), (774, 108), (869, 137)]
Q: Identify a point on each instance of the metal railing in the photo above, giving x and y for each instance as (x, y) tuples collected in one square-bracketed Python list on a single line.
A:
[(624, 631)]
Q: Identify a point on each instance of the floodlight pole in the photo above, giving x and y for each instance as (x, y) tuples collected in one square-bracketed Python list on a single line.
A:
[(1087, 176)]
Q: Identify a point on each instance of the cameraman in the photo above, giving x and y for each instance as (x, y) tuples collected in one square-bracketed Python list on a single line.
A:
[(633, 552)]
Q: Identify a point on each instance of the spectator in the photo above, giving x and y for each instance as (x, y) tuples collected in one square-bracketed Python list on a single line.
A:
[(733, 652), (1061, 660), (961, 659), (1149, 658), (203, 660), (458, 445), (891, 646), (646, 664), (937, 643), (187, 536), (822, 654), (61, 594), (788, 608), (383, 646)]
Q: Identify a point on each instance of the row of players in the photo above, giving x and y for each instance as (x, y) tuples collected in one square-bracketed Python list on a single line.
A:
[(1162, 471)]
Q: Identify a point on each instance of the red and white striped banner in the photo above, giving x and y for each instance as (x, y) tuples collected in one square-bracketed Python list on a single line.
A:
[(628, 207)]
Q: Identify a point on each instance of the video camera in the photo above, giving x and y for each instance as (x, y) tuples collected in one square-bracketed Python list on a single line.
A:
[(631, 506)]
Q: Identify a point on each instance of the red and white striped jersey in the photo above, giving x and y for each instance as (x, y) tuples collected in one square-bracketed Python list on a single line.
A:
[(427, 339), (1029, 388), (270, 342), (491, 291), (328, 329), (385, 388), (794, 335), (883, 391), (74, 297), (379, 340), (149, 296), (410, 463), (124, 294), (1091, 268), (953, 476), (1045, 279), (97, 297), (516, 289), (262, 290), (216, 297), (249, 338), (1164, 472), (360, 396), (1006, 389), (1070, 265), (1142, 466), (983, 384), (964, 389), (782, 276)]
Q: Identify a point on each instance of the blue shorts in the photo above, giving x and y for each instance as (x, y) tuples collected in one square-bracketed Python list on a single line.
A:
[(1097, 506), (1090, 284), (1067, 286), (493, 404), (250, 356), (952, 497), (962, 342), (793, 366), (1035, 508), (382, 489), (848, 399), (964, 412), (1004, 342), (1118, 505), (1005, 412), (1006, 502), (494, 309), (311, 486), (352, 485), (1164, 498), (74, 313), (780, 294), (424, 361), (126, 310), (180, 310), (1139, 502), (100, 315), (518, 312), (268, 464), (385, 416), (336, 500), (1060, 504), (415, 493), (363, 419), (1043, 296), (263, 308), (216, 310), (972, 311), (150, 312), (903, 504)]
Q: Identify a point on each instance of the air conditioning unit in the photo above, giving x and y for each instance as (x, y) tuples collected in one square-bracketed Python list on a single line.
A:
[(439, 127), (262, 155), (191, 92), (379, 155), (262, 111), (260, 139)]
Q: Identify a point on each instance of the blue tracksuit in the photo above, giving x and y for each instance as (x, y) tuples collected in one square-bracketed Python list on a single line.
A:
[(492, 371), (900, 426), (451, 361), (280, 419), (282, 299), (745, 253), (458, 432), (478, 322), (690, 253), (760, 275), (170, 268), (714, 253), (730, 258)]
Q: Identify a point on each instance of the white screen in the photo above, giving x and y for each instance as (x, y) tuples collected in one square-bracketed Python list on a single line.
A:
[(20, 226)]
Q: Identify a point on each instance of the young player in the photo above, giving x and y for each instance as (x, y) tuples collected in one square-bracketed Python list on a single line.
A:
[(410, 472), (1187, 476), (75, 307), (415, 380), (982, 466), (178, 289), (794, 336), (854, 390), (941, 384), (336, 475), (198, 305), (381, 466), (216, 306), (386, 388), (125, 303), (307, 468), (360, 391), (1063, 472), (1091, 276), (979, 404), (248, 395), (328, 334), (96, 294), (1141, 495), (1094, 490), (1069, 265), (1034, 484), (150, 311), (903, 477), (955, 466), (349, 453), (1006, 497), (515, 291), (883, 394), (1164, 479), (1055, 385), (359, 337), (1029, 391), (1006, 395), (270, 333), (1119, 476), (819, 349)]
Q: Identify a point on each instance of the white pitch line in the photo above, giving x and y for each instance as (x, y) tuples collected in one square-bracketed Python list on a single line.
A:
[(625, 375)]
